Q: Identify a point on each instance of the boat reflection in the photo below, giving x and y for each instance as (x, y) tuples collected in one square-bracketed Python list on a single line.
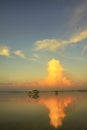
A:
[(35, 96)]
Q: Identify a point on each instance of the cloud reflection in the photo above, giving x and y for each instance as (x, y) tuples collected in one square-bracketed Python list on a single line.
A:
[(56, 107)]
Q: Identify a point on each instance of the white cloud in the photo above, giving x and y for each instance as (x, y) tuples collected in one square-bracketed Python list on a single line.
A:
[(20, 54), (84, 49), (4, 51), (48, 44), (36, 56), (54, 44), (33, 59)]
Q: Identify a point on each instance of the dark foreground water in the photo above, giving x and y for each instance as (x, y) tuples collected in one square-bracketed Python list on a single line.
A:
[(46, 111)]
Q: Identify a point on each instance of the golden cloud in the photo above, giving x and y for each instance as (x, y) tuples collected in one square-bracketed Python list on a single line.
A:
[(4, 51), (56, 75)]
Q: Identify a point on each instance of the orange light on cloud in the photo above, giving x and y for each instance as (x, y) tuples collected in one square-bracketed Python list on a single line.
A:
[(56, 109), (56, 75)]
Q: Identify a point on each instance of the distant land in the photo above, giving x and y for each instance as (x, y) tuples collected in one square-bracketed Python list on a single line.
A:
[(41, 91)]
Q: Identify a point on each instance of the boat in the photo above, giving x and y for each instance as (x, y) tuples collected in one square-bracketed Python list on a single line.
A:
[(33, 92)]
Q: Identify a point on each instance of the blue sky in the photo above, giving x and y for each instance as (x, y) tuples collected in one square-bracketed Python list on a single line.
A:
[(34, 32)]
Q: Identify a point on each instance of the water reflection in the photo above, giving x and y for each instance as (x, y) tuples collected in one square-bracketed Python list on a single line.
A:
[(61, 111), (56, 107), (35, 96)]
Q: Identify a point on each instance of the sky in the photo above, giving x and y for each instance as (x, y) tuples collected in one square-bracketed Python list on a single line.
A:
[(43, 43)]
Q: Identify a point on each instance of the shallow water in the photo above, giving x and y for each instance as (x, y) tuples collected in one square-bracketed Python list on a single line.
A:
[(46, 111)]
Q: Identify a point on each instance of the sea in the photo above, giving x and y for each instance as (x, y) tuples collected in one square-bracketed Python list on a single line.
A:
[(43, 111)]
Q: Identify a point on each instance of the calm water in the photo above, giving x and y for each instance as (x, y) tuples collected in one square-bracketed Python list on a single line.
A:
[(48, 111)]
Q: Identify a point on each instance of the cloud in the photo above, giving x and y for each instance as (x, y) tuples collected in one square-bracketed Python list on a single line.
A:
[(20, 54), (79, 13), (48, 44), (56, 75), (54, 44), (36, 56), (79, 37), (84, 49), (4, 51), (78, 58)]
